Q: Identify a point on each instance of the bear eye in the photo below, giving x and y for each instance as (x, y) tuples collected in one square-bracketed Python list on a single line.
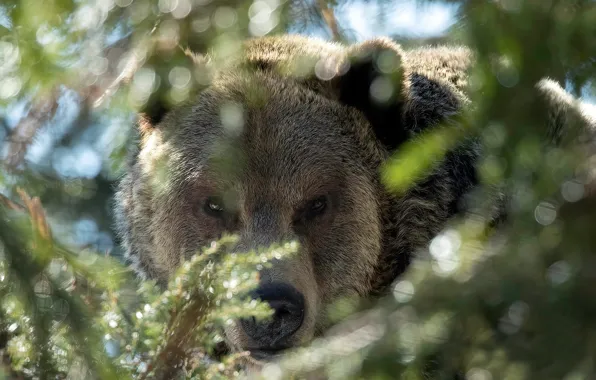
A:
[(213, 206), (316, 207)]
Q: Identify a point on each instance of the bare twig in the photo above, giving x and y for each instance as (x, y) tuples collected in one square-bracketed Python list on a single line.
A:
[(9, 204), (36, 212), (328, 16), (22, 136), (123, 64)]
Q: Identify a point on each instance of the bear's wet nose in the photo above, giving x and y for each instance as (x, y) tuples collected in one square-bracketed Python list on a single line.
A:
[(288, 307)]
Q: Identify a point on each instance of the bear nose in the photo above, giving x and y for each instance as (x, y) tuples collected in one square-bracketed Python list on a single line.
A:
[(288, 307)]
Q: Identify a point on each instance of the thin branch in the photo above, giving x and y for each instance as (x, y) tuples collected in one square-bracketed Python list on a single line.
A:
[(9, 204), (22, 136), (328, 16)]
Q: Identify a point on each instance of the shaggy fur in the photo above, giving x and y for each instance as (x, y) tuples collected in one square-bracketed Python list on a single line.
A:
[(303, 134)]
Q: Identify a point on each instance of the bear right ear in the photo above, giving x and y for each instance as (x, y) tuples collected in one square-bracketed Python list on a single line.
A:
[(371, 79)]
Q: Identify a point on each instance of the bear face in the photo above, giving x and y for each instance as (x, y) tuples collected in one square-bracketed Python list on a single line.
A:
[(273, 156), (304, 173)]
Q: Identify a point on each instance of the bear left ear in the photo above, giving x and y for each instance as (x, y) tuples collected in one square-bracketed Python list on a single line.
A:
[(371, 79), (174, 80)]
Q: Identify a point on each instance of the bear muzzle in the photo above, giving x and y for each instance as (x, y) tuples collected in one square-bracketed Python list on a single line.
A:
[(275, 334)]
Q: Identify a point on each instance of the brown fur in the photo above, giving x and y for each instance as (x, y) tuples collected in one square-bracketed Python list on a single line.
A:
[(301, 137)]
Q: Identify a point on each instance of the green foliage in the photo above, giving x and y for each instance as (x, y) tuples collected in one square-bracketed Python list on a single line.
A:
[(85, 316)]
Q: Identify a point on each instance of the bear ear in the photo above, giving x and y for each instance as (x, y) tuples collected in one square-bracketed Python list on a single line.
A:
[(168, 82), (568, 117), (371, 79)]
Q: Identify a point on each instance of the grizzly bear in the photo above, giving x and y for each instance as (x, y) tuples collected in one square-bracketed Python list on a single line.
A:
[(272, 151)]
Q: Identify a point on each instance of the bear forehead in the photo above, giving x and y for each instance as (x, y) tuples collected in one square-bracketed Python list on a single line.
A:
[(288, 130)]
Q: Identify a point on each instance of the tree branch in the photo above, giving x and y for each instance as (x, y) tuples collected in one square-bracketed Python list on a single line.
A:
[(44, 107), (328, 16), (42, 110)]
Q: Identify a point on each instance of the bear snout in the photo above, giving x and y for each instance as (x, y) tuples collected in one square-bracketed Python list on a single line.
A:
[(275, 333)]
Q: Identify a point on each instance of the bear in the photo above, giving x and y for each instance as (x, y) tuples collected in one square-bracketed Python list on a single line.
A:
[(273, 152)]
